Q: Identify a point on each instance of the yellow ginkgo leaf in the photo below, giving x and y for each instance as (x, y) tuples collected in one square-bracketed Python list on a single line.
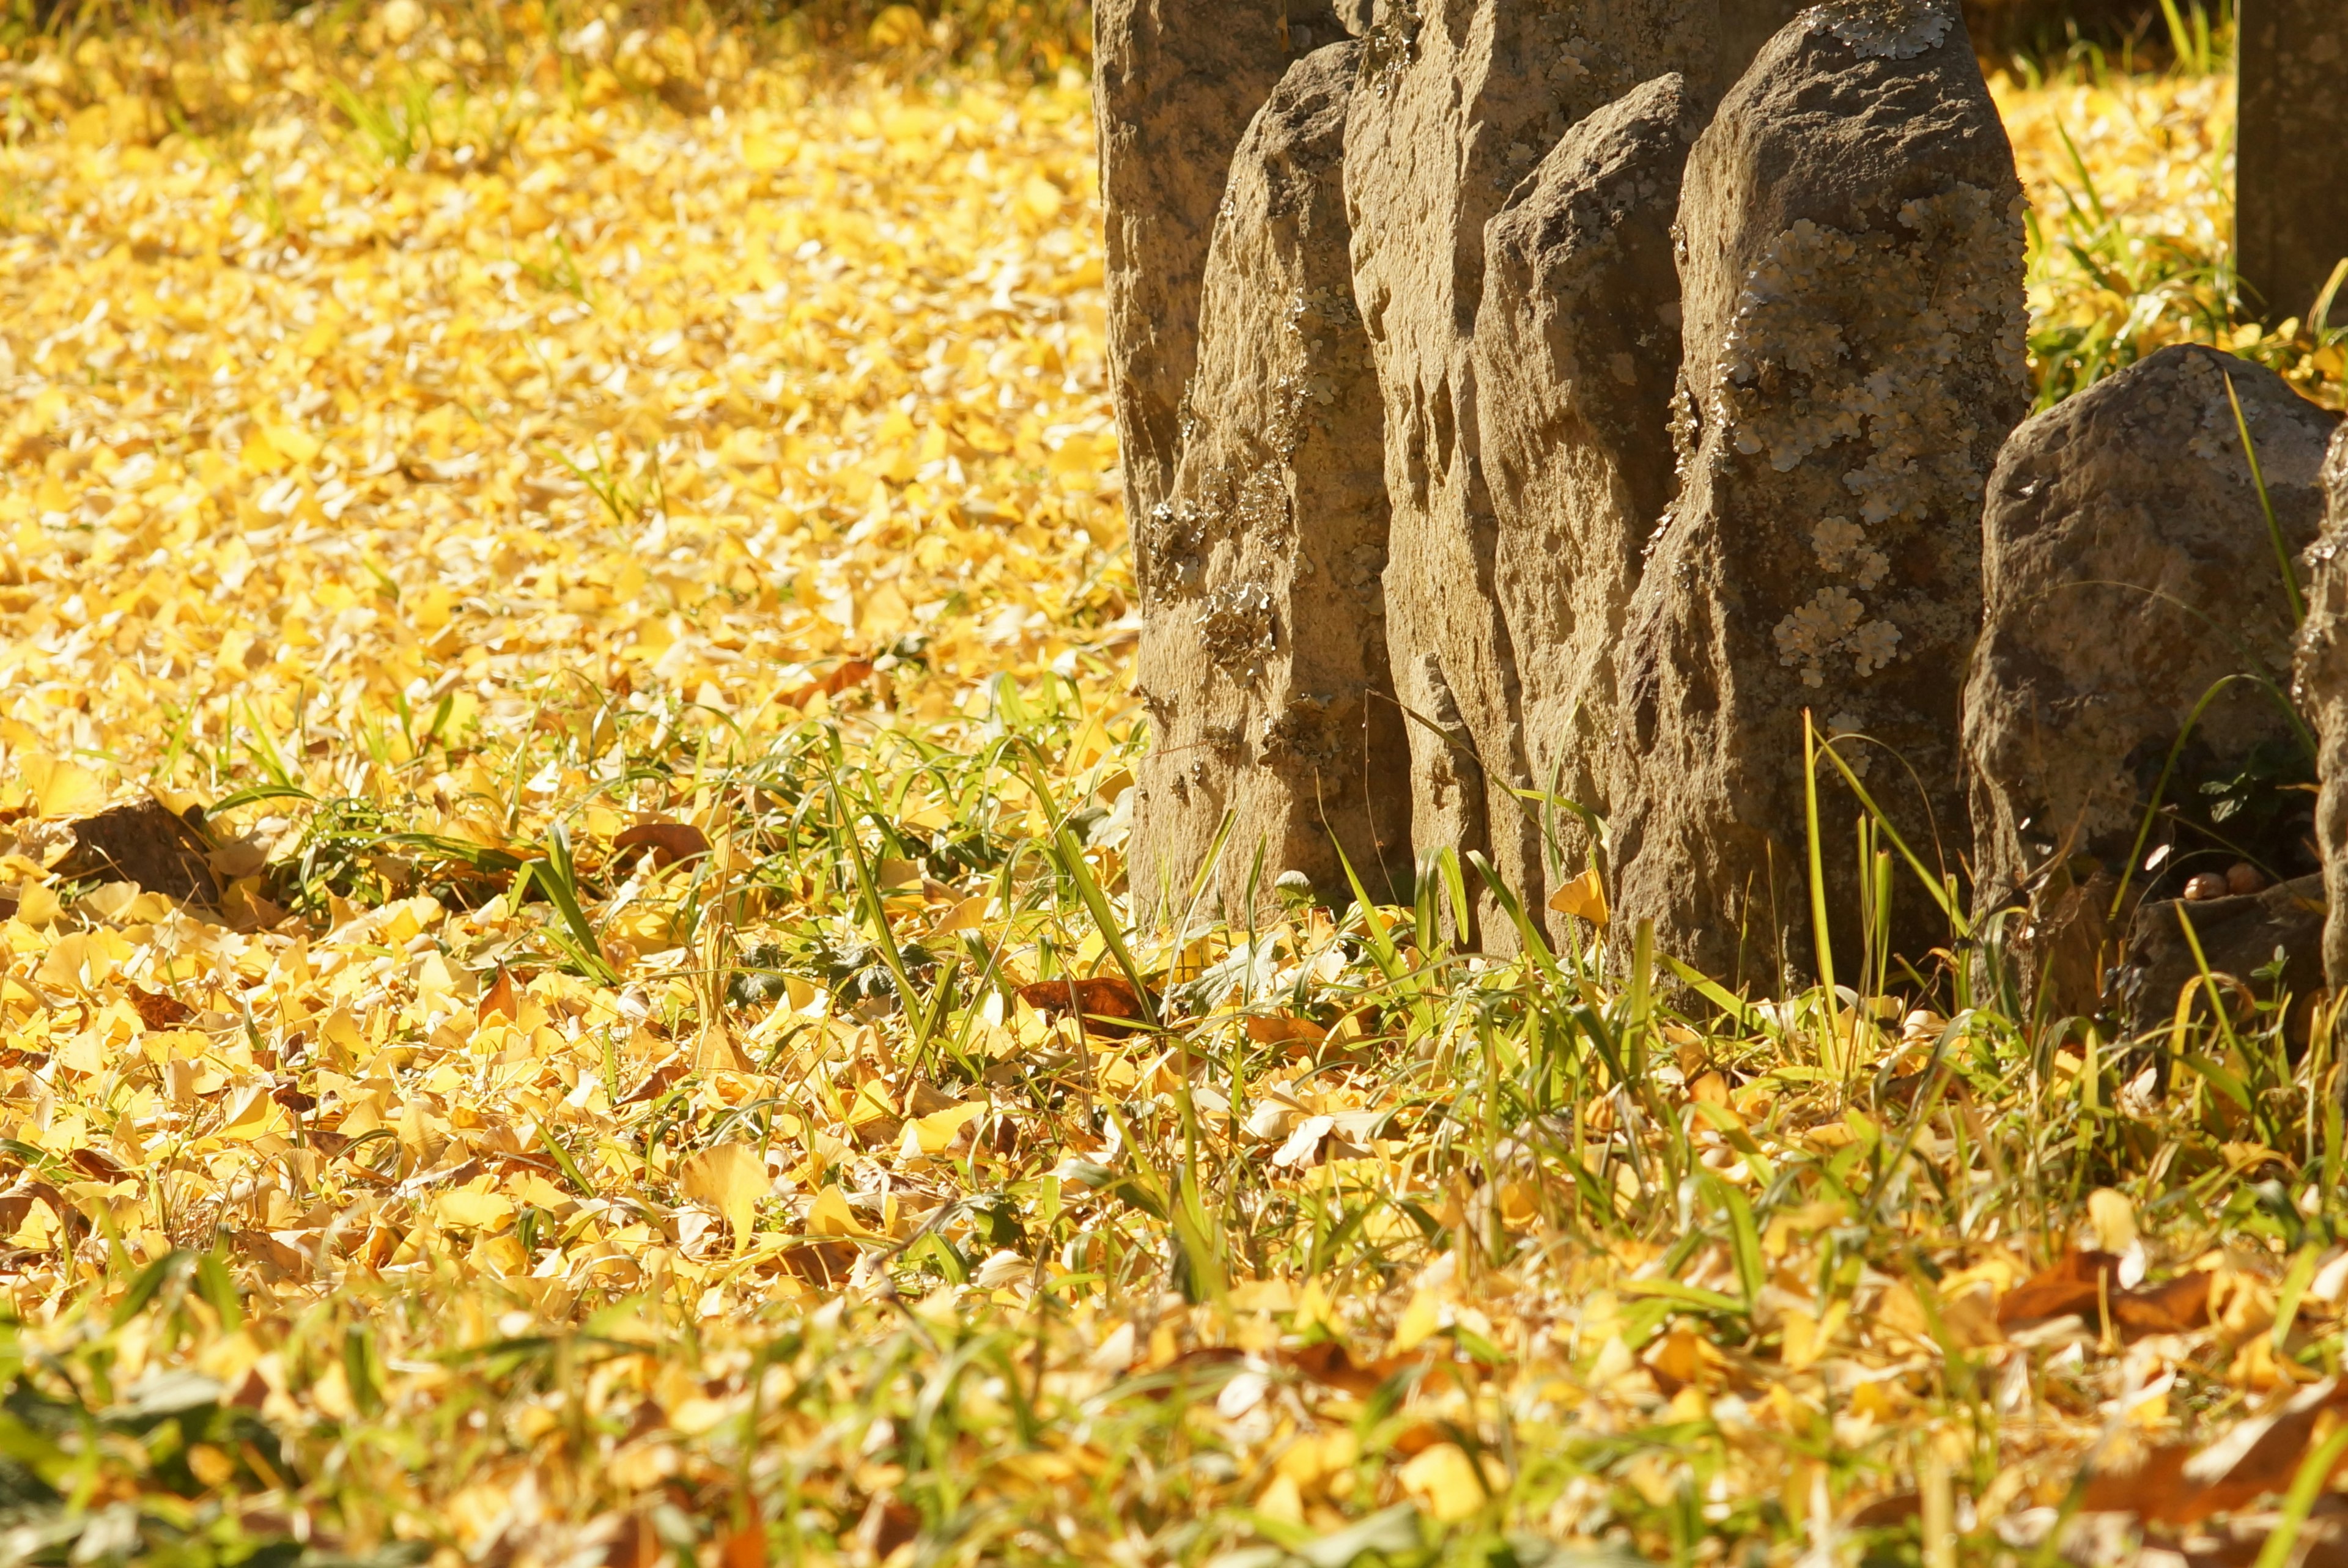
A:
[(830, 1214), (61, 788), (730, 1178), (938, 1130), (465, 1209), (1444, 1482), (1584, 895)]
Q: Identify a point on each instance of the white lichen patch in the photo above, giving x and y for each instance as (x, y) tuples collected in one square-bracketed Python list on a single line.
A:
[(1853, 349), (1238, 629), (1806, 637), (1884, 29), (1843, 548)]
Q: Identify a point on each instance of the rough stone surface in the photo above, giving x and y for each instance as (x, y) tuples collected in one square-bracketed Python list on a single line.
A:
[(1851, 286), (2320, 685), (1175, 83), (1460, 101), (2127, 569), (1262, 658), (2238, 937), (145, 844), (2291, 225), (1575, 349)]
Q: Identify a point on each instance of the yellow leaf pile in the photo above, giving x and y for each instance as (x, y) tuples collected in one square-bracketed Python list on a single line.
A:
[(578, 553)]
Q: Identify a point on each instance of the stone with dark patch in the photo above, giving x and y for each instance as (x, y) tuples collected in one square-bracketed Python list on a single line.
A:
[(143, 843), (2129, 578)]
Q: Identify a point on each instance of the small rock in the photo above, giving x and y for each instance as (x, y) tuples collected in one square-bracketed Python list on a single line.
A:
[(2207, 885), (2242, 880), (2127, 570), (2238, 937)]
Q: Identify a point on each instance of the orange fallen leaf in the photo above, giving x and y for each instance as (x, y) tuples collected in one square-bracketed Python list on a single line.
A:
[(2087, 1283), (852, 673), (1096, 1003), (670, 842)]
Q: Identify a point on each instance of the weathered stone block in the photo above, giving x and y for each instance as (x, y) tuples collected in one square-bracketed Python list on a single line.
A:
[(1853, 317), (1459, 101), (2238, 937), (2291, 224), (1263, 659), (1576, 352), (2127, 570), (2320, 685), (1175, 83)]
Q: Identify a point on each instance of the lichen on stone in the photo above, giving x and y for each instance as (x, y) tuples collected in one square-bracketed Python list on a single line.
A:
[(1884, 29), (1391, 46), (1846, 343), (1238, 629)]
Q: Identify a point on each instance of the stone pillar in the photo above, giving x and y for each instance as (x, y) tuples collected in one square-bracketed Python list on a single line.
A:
[(1175, 83), (2290, 223), (1853, 322), (1459, 101), (1576, 353), (1263, 656), (2321, 688)]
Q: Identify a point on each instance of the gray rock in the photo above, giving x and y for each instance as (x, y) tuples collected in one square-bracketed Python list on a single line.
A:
[(1851, 284), (1460, 100), (2126, 570), (2238, 937), (1262, 657), (1175, 83), (2320, 685), (1575, 349)]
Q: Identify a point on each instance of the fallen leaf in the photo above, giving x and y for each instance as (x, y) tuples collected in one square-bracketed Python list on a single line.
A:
[(1450, 1485), (852, 673), (671, 843), (730, 1178), (1099, 1003), (1584, 896), (157, 1009)]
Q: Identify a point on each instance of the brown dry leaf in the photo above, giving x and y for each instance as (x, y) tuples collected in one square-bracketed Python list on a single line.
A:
[(743, 1547), (2084, 1283), (2072, 1284), (2175, 1483), (1100, 1003), (663, 1078), (159, 1010), (852, 672), (671, 843)]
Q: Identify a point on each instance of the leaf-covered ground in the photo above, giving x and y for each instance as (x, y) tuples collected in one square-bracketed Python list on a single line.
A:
[(593, 551)]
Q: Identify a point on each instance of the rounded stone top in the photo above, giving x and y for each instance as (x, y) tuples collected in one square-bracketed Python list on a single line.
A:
[(1884, 29)]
